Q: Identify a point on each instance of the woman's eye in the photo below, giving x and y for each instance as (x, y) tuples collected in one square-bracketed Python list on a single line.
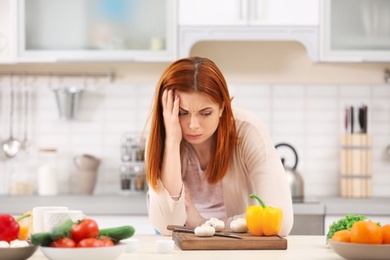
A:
[(206, 114), (183, 113)]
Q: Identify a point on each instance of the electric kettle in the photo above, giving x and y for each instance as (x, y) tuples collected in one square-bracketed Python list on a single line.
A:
[(294, 178)]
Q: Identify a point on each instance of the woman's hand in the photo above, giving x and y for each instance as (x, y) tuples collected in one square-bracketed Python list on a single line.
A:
[(170, 104), (194, 219)]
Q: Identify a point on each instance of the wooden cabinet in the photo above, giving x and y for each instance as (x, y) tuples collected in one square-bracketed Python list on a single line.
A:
[(94, 30), (248, 12), (355, 30)]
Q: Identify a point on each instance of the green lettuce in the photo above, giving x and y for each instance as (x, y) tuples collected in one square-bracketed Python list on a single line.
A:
[(344, 223)]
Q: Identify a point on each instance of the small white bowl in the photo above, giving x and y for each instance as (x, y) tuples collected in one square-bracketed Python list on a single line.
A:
[(131, 244), (165, 246)]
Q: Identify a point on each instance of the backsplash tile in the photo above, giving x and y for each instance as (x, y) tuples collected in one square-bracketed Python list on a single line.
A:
[(309, 117)]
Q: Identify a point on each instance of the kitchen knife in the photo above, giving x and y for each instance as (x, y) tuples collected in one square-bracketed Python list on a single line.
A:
[(361, 119), (365, 118), (192, 230), (351, 118), (346, 113)]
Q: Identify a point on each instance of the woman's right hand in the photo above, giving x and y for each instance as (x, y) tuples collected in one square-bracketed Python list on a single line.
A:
[(170, 104)]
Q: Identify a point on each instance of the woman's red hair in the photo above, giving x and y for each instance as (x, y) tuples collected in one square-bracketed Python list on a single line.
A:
[(193, 74)]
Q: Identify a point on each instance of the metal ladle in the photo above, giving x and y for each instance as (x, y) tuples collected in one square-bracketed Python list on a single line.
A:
[(24, 143), (11, 145)]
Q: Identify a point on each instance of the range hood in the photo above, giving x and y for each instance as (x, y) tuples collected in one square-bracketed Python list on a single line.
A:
[(308, 36)]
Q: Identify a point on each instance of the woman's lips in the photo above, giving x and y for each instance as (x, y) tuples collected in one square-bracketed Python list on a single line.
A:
[(194, 137)]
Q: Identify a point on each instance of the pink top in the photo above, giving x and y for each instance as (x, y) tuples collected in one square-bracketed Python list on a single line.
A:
[(208, 199)]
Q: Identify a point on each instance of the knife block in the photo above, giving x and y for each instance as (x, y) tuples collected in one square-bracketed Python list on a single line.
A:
[(355, 166)]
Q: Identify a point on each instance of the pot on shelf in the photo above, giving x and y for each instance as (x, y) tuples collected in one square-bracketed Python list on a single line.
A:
[(293, 176)]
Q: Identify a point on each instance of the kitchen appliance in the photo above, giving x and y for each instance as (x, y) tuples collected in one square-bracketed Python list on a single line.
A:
[(293, 176)]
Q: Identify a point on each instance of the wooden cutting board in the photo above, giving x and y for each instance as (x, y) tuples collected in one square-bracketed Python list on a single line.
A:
[(189, 241)]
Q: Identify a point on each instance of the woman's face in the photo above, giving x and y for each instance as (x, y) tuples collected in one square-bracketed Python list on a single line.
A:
[(198, 116)]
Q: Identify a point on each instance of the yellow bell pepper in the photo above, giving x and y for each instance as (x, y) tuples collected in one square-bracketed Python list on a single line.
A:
[(263, 220)]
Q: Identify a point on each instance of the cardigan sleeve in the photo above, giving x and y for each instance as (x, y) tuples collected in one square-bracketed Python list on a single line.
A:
[(265, 170), (163, 210)]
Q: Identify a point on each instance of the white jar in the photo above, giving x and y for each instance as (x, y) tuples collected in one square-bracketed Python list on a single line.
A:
[(47, 173)]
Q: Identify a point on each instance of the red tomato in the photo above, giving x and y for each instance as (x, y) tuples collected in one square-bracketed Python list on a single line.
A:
[(106, 241), (90, 242), (86, 228), (63, 242)]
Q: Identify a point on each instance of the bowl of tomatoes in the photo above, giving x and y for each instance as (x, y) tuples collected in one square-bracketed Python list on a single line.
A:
[(83, 240), (82, 253)]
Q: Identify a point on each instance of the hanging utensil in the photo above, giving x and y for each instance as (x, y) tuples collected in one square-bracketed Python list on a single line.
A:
[(11, 146), (24, 142)]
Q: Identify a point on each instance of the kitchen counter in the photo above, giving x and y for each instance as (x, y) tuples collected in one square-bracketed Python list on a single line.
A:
[(135, 204), (299, 247)]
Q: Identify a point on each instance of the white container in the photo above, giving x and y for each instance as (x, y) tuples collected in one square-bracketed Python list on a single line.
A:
[(47, 173)]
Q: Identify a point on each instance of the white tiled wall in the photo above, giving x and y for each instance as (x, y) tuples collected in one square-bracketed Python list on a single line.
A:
[(309, 117)]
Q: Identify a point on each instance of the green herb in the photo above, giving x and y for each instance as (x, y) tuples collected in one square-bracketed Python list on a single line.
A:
[(344, 223)]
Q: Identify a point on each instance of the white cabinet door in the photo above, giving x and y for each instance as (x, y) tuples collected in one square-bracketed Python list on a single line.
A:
[(97, 30), (284, 12), (355, 30), (7, 32), (248, 12), (212, 12)]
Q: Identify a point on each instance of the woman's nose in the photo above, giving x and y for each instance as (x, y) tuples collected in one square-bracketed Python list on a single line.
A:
[(194, 124)]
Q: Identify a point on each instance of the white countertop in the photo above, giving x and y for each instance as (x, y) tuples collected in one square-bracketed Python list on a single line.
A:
[(135, 204), (299, 247)]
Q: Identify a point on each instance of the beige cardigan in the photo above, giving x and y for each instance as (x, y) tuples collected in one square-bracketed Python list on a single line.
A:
[(255, 168)]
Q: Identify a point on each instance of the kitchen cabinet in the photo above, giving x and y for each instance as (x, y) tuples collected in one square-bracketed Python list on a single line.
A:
[(95, 30), (355, 30), (6, 41), (248, 12), (248, 20)]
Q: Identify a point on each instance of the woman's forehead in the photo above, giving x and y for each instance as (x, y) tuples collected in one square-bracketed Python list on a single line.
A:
[(194, 101)]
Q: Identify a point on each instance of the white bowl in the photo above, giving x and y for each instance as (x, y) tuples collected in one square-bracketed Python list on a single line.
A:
[(17, 253), (165, 246), (82, 253), (360, 251)]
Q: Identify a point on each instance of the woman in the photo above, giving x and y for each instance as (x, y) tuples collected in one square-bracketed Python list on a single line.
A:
[(203, 158)]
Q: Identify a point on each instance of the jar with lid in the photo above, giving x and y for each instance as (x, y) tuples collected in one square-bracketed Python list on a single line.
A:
[(47, 173), (21, 181)]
